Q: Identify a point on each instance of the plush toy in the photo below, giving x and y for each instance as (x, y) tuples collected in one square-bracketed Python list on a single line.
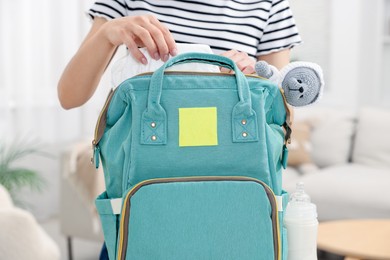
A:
[(302, 82)]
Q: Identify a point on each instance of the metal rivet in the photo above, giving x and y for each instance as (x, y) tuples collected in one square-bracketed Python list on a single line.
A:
[(243, 121), (244, 134), (154, 138), (153, 124)]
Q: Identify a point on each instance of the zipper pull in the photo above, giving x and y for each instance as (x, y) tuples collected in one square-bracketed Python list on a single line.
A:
[(284, 156), (95, 160)]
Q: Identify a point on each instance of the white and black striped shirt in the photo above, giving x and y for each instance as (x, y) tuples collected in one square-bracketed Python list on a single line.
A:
[(256, 27)]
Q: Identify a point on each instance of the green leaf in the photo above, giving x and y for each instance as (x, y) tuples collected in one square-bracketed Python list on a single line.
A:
[(14, 178), (18, 178)]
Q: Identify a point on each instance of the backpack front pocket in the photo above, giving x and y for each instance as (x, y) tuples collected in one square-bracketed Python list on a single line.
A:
[(199, 218)]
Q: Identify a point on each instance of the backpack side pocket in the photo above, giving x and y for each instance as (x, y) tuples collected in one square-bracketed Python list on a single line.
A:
[(283, 229), (110, 223)]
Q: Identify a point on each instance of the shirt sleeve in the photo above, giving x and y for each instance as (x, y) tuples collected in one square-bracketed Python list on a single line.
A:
[(109, 9), (280, 32)]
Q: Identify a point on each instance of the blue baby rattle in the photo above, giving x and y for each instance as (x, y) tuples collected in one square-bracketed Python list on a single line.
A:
[(302, 82)]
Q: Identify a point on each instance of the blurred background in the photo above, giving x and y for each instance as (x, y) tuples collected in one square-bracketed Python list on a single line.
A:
[(349, 39)]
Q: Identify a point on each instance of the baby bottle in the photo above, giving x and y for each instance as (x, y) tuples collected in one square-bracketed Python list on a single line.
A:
[(301, 223)]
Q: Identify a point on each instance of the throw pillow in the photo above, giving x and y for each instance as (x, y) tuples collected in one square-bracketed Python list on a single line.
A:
[(331, 133), (372, 145)]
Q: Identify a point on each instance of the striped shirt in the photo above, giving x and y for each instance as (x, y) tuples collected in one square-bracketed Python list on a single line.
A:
[(256, 27)]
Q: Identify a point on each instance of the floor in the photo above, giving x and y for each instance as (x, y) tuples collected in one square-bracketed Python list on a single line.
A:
[(82, 249)]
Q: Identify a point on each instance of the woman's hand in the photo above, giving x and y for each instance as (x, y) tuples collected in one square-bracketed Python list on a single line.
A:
[(141, 31), (245, 63), (84, 71)]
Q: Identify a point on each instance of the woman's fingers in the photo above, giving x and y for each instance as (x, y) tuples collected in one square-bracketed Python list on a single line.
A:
[(142, 31), (162, 50), (229, 54), (145, 38), (168, 38), (247, 66), (245, 63), (133, 48)]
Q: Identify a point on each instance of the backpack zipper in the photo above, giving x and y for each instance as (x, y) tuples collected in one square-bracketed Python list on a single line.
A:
[(99, 129)]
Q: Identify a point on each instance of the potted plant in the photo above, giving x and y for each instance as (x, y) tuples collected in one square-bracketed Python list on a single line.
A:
[(14, 177)]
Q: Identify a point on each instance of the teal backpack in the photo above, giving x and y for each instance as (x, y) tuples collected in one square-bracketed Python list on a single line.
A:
[(192, 164)]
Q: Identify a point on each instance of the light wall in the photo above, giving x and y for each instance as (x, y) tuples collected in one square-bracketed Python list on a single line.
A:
[(344, 53), (345, 37), (38, 38)]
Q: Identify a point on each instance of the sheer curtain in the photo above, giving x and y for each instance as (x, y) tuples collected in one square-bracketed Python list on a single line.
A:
[(38, 38)]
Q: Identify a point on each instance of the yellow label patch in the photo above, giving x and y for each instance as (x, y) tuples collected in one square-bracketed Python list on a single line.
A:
[(198, 126)]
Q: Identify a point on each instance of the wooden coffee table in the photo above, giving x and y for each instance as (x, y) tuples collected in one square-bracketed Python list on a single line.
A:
[(356, 239)]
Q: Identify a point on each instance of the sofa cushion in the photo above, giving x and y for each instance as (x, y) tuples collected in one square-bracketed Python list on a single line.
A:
[(21, 237), (349, 191), (372, 145), (331, 136)]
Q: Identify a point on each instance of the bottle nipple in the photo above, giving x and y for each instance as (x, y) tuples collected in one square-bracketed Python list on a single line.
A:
[(300, 195)]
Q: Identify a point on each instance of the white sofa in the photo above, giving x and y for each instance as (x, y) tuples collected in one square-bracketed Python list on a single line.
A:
[(346, 162), (21, 237)]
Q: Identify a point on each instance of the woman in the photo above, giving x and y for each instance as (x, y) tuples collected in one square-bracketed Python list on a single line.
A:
[(244, 32)]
